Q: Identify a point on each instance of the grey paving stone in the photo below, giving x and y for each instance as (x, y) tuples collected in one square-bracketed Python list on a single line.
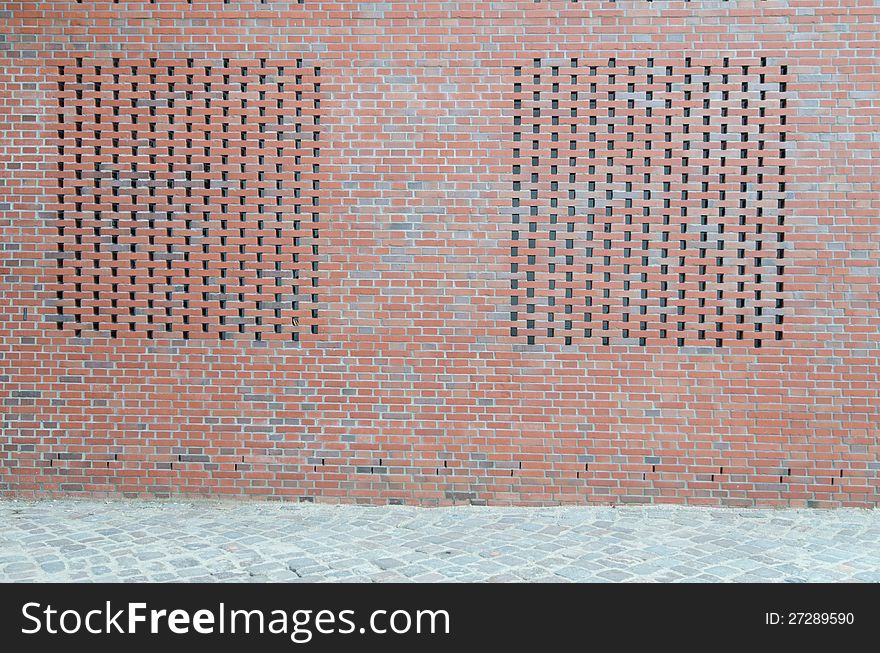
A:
[(52, 567), (614, 574), (18, 567)]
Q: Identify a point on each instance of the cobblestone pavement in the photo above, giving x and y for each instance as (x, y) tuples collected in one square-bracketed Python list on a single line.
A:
[(129, 541)]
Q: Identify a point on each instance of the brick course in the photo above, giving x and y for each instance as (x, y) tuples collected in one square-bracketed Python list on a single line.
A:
[(506, 252)]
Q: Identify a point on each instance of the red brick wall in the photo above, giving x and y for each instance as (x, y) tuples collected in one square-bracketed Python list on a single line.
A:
[(505, 252)]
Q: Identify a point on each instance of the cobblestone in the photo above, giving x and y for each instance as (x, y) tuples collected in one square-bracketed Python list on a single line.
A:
[(214, 541)]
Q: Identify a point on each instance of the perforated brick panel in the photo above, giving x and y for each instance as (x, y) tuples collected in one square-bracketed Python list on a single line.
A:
[(648, 201), (187, 201)]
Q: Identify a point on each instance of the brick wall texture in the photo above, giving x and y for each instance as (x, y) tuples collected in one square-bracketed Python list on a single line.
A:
[(509, 252)]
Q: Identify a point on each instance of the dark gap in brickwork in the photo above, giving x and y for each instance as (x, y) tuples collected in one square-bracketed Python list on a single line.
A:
[(647, 198)]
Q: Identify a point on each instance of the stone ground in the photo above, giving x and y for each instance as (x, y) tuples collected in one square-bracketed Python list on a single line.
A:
[(205, 541)]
